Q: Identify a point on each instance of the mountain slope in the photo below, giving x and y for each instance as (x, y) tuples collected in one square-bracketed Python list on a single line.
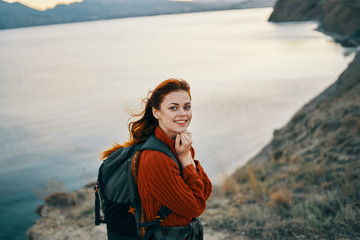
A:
[(16, 15), (305, 184)]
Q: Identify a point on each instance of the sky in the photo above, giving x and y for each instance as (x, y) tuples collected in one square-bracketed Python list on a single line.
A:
[(45, 4)]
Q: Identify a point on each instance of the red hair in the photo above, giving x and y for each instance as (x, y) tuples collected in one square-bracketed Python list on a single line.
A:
[(142, 128)]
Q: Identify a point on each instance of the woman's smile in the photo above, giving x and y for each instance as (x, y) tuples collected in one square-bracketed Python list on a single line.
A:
[(181, 122)]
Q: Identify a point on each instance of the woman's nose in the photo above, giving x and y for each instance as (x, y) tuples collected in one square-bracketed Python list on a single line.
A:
[(181, 112)]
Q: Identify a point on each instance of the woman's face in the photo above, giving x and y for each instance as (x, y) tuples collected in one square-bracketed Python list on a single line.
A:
[(175, 113)]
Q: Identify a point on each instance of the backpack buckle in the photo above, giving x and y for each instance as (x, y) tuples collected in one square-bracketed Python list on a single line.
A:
[(132, 210), (161, 218)]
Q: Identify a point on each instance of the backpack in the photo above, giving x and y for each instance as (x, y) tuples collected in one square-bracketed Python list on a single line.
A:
[(117, 191)]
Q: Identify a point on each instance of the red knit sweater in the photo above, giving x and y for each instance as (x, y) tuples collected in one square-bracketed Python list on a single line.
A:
[(159, 183)]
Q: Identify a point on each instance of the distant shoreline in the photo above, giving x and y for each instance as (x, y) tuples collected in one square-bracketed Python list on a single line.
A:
[(16, 15), (154, 15)]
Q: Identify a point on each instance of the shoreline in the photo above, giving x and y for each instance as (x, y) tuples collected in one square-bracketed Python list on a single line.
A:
[(154, 15), (240, 208), (73, 182), (68, 215), (56, 15), (307, 173)]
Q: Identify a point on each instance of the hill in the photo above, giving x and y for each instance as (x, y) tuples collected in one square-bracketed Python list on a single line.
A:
[(305, 184), (13, 15)]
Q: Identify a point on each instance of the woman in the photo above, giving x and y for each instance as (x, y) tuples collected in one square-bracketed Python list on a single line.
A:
[(167, 115)]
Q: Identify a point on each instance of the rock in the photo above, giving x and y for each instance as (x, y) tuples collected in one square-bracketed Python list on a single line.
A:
[(61, 199), (341, 19), (66, 216), (295, 10), (332, 119)]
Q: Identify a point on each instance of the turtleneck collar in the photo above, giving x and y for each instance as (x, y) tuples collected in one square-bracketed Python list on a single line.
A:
[(161, 135)]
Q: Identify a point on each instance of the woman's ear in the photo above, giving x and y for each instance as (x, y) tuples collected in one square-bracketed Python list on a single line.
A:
[(155, 113)]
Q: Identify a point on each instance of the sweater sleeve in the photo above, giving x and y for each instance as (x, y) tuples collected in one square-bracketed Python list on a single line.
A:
[(184, 196), (203, 176), (206, 181)]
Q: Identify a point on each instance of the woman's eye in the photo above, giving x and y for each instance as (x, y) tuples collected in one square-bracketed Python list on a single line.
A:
[(173, 108), (187, 107)]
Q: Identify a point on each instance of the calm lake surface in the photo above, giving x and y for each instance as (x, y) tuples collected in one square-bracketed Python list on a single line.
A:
[(65, 89)]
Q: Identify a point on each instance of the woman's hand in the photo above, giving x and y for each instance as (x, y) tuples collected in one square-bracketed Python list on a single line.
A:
[(183, 143)]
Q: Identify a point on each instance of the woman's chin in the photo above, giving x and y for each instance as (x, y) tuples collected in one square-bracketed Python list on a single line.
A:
[(182, 129)]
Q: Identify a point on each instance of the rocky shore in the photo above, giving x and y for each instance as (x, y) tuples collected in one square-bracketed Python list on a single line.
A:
[(305, 184), (66, 216)]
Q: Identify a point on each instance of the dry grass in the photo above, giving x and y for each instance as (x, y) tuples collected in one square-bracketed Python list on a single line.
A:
[(281, 198), (309, 186), (299, 201), (230, 186), (49, 187)]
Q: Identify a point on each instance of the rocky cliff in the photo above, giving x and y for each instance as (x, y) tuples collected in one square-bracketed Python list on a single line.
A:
[(327, 127), (341, 18), (305, 184)]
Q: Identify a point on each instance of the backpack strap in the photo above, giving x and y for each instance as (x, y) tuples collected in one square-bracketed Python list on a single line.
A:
[(98, 219), (154, 225), (153, 143)]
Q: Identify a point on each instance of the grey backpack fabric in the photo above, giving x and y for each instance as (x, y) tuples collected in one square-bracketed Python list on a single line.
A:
[(193, 231)]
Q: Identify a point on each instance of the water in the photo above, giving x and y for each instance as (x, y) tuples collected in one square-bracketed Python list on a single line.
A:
[(64, 91)]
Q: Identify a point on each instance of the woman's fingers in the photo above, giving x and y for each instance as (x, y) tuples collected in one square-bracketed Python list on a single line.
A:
[(177, 141), (183, 142), (186, 138)]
